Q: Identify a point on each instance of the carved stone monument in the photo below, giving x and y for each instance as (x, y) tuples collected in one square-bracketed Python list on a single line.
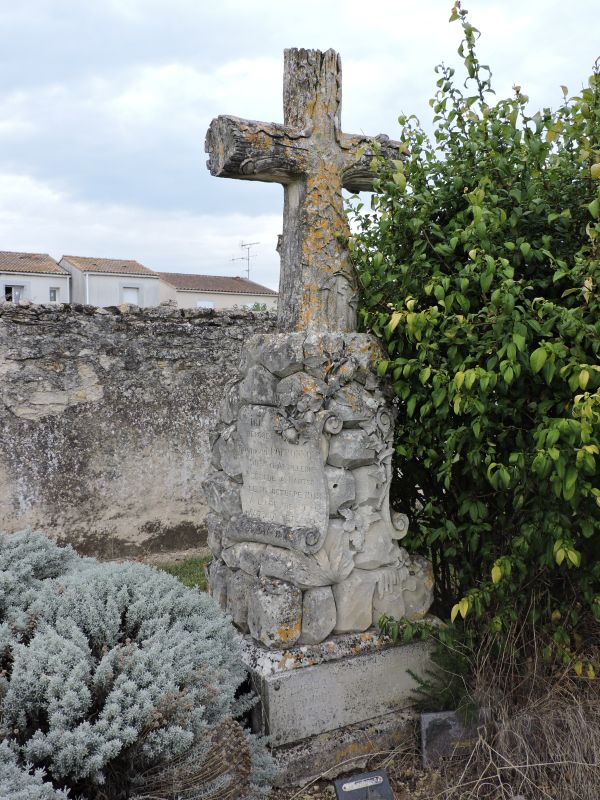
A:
[(306, 549)]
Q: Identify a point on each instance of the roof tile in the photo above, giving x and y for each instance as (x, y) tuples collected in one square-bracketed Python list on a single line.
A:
[(114, 265), (29, 262), (213, 283)]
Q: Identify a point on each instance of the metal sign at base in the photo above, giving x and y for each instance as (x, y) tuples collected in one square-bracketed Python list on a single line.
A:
[(367, 786)]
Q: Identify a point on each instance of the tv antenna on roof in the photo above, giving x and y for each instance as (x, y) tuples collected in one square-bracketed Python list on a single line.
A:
[(248, 256)]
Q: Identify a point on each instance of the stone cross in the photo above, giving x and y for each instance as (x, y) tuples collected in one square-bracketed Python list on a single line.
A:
[(313, 160)]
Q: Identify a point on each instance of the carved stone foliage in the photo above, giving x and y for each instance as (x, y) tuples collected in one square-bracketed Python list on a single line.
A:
[(301, 525)]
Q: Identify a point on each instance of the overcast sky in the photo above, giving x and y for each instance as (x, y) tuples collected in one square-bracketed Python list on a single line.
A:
[(104, 105)]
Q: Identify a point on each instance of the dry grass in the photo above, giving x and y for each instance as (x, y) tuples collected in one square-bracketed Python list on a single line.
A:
[(540, 741)]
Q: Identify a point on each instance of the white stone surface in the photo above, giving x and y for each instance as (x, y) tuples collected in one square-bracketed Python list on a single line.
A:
[(370, 484), (258, 386), (379, 548), (350, 448), (239, 586), (275, 613), (312, 700), (245, 556), (217, 582), (353, 404), (222, 494), (332, 563), (318, 615), (340, 484), (354, 601), (283, 482)]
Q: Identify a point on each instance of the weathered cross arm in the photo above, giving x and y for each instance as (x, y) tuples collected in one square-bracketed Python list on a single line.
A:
[(356, 174), (260, 151)]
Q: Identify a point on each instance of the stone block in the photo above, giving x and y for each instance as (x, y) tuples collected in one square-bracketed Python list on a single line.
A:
[(340, 484), (289, 565), (327, 753), (217, 582), (444, 735), (230, 404), (283, 482), (354, 601), (302, 392), (222, 494), (239, 587), (379, 548), (409, 594), (350, 449), (275, 613), (318, 615), (328, 689), (282, 353), (417, 601), (214, 537), (371, 484), (353, 404), (320, 351), (258, 387), (226, 450), (246, 556), (247, 528), (365, 351)]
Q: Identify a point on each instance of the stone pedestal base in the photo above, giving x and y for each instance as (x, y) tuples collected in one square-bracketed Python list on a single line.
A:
[(345, 698)]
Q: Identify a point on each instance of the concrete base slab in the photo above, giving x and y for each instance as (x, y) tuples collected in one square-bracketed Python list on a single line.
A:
[(348, 749), (323, 704)]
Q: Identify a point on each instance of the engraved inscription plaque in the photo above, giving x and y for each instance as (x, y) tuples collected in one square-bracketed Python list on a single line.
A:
[(283, 482)]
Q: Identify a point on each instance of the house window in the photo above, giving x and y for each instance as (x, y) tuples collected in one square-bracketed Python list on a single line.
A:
[(131, 295), (12, 294), (205, 303), (54, 294)]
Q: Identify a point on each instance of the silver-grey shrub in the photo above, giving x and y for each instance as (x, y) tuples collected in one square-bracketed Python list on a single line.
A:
[(17, 783), (118, 669)]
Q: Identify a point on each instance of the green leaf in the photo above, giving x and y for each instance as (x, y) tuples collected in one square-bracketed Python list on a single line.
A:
[(382, 368), (400, 180), (538, 358), (584, 377), (394, 320), (519, 340), (594, 208), (438, 396), (424, 375), (525, 249)]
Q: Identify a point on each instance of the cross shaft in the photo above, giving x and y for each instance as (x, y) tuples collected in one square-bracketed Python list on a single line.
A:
[(313, 160)]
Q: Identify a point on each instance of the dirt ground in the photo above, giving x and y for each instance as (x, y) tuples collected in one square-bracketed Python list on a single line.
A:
[(407, 778)]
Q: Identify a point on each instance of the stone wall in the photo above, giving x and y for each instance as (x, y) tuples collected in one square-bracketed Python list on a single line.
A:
[(105, 420)]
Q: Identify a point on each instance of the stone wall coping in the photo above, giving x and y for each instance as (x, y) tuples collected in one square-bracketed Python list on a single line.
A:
[(26, 310)]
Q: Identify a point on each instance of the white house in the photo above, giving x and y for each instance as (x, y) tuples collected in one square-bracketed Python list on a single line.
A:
[(32, 276), (214, 291), (111, 281)]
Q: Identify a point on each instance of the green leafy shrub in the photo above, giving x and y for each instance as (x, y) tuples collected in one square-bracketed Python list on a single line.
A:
[(115, 670), (479, 266)]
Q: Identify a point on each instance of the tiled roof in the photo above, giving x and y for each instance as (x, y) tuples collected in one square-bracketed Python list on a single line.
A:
[(115, 265), (213, 283), (29, 262)]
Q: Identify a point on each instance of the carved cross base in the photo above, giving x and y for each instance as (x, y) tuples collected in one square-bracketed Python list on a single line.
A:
[(304, 541)]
